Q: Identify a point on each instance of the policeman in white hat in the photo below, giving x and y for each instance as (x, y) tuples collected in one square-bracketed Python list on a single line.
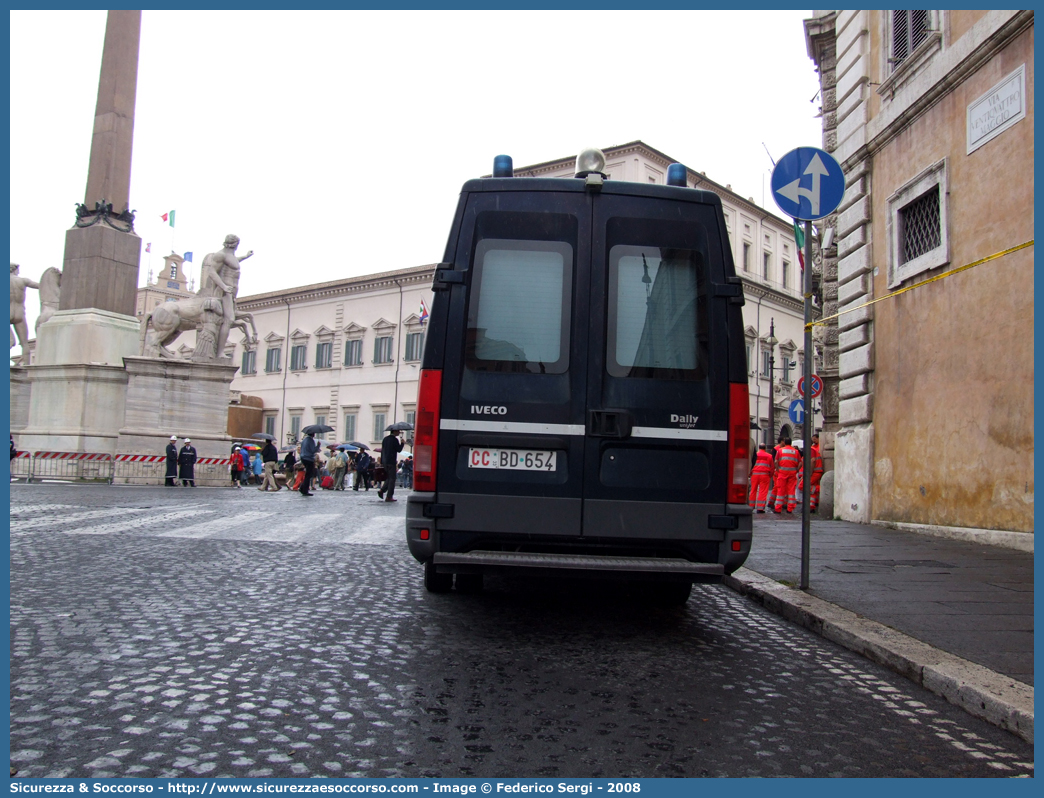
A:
[(187, 465), (171, 477)]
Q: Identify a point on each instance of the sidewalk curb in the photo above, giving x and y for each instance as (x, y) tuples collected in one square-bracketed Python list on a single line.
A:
[(993, 697)]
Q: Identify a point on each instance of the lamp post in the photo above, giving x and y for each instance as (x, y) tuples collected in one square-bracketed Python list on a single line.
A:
[(771, 341)]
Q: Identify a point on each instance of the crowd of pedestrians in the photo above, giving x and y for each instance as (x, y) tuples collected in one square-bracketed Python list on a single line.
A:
[(304, 468)]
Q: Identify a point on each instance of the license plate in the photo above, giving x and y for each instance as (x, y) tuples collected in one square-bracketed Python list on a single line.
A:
[(512, 459)]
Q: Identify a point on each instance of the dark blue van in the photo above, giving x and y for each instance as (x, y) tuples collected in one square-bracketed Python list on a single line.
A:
[(583, 402)]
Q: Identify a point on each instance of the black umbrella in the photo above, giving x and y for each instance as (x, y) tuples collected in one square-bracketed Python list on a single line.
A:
[(263, 436), (398, 426), (317, 429), (360, 445)]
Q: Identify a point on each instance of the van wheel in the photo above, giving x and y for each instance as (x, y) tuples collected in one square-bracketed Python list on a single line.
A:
[(436, 582), (469, 583), (672, 594)]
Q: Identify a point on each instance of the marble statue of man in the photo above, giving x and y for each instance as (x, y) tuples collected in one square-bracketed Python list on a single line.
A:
[(18, 286), (219, 279)]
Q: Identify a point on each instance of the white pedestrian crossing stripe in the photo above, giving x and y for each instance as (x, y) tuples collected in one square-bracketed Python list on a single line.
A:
[(206, 521), (214, 526), (59, 519), (136, 523)]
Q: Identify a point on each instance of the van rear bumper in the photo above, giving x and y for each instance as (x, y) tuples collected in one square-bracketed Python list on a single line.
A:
[(725, 545), (535, 563)]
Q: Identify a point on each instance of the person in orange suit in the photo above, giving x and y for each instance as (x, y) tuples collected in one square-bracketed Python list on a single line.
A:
[(760, 479), (787, 462), (817, 474)]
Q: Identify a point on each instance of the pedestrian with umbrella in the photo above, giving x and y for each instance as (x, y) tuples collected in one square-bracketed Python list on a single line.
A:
[(269, 458), (390, 448), (309, 452)]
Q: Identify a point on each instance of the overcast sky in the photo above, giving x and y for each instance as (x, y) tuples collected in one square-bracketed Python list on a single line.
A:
[(335, 143)]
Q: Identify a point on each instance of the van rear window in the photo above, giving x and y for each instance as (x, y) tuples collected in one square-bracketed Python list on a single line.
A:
[(653, 314), (518, 318)]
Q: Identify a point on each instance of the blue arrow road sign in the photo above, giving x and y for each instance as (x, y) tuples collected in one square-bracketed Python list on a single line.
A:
[(808, 184), (797, 411)]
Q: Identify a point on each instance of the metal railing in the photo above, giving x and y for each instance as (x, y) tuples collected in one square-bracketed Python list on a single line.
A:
[(122, 469)]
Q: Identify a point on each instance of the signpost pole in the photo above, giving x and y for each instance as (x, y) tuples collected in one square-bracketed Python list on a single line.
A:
[(807, 184), (806, 490)]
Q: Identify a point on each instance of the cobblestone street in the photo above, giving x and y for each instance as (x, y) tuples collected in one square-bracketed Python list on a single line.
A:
[(216, 632)]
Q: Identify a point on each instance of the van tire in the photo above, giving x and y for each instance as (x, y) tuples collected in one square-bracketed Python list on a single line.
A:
[(469, 583), (435, 582)]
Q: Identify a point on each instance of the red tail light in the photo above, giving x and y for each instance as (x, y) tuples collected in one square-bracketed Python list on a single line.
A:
[(739, 442), (426, 430)]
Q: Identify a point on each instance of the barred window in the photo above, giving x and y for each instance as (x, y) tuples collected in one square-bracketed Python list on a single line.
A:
[(909, 29), (323, 355), (919, 227), (353, 352), (918, 240)]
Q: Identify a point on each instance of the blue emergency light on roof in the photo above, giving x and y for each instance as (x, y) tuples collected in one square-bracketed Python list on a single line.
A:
[(677, 175), (503, 167)]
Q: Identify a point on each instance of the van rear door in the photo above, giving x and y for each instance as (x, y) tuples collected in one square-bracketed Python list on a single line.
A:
[(655, 457), (514, 395)]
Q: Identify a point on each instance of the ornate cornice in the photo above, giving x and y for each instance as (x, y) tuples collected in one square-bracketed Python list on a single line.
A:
[(414, 276)]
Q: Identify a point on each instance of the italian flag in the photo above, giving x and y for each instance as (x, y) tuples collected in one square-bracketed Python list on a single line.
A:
[(799, 237), (168, 218)]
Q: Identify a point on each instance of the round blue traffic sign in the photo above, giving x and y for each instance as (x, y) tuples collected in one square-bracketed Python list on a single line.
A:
[(808, 184), (797, 411)]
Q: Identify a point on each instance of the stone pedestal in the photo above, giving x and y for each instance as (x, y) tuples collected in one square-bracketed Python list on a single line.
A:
[(20, 389), (100, 269), (176, 397), (75, 407), (77, 384), (87, 335)]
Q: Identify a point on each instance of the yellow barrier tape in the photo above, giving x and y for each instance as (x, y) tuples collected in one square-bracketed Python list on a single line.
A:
[(950, 273)]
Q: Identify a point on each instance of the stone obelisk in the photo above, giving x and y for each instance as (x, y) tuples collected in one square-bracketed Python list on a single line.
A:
[(78, 383), (102, 253)]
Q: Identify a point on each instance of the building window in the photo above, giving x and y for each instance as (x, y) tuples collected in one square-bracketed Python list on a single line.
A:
[(766, 362), (353, 352), (766, 260), (349, 426), (249, 363), (750, 357), (298, 355), (917, 222), (786, 274), (909, 30), (919, 227), (379, 423), (414, 345), (320, 419), (295, 427), (411, 417), (746, 256), (383, 351), (270, 421), (323, 354), (273, 358), (786, 366)]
